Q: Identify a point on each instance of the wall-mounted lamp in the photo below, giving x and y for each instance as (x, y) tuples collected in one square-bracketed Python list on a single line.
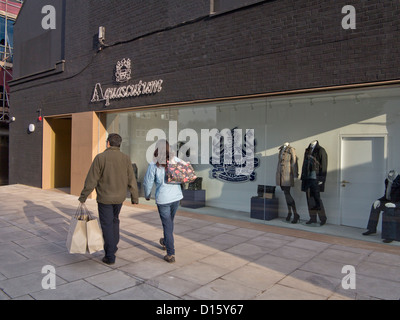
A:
[(31, 128)]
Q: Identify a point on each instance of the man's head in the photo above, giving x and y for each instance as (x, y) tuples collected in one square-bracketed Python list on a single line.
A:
[(114, 139)]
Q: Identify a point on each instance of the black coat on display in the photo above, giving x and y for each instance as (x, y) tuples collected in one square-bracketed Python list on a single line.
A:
[(394, 192), (314, 160)]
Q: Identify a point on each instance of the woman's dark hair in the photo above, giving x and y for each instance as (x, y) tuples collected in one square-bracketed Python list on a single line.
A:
[(162, 153), (115, 140)]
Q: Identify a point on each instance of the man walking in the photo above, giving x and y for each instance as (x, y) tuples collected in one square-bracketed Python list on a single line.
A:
[(111, 173)]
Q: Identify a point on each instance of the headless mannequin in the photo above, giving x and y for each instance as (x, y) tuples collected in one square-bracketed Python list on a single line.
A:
[(391, 176), (380, 205), (312, 189), (291, 205), (313, 144)]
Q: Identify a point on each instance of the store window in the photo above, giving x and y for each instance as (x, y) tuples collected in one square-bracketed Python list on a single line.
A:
[(6, 38), (357, 129)]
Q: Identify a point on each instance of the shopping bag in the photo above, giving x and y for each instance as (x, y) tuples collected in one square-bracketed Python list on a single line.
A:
[(95, 241), (77, 235), (180, 172)]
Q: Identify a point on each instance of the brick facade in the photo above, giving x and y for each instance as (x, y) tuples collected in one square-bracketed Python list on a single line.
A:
[(271, 46)]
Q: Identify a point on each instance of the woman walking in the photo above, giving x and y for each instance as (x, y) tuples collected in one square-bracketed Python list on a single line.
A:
[(167, 195)]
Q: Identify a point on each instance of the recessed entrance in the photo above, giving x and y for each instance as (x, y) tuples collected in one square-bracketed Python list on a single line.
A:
[(70, 143)]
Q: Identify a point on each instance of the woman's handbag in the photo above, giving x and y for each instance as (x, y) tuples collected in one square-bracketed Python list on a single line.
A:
[(180, 172)]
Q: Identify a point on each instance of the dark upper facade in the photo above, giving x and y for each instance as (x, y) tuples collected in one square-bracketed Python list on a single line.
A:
[(243, 48)]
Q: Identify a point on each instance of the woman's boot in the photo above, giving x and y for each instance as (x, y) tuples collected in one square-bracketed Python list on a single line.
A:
[(296, 218)]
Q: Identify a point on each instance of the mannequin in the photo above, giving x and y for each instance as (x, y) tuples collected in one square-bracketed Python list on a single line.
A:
[(390, 200), (313, 144), (286, 172), (313, 178)]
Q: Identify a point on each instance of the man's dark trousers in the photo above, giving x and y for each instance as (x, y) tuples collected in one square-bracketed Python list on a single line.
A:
[(109, 221)]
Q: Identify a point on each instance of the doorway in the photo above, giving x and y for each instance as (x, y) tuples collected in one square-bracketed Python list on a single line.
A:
[(363, 171), (57, 153)]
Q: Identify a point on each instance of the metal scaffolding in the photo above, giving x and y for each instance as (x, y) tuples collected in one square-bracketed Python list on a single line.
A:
[(9, 10)]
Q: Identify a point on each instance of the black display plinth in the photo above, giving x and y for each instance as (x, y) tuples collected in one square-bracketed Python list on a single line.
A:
[(264, 209), (193, 199), (391, 224)]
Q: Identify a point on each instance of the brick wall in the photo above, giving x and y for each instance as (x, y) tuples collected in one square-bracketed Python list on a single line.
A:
[(269, 47)]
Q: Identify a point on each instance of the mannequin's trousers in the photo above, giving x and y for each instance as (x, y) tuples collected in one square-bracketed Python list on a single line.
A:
[(374, 216), (390, 221), (314, 202), (289, 199)]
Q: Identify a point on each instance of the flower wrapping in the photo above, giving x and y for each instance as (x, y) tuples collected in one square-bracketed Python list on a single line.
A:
[(181, 172)]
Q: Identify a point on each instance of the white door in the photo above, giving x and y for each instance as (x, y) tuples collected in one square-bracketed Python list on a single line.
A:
[(363, 172)]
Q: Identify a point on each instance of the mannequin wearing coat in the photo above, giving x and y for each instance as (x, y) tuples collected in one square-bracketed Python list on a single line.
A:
[(313, 178), (286, 172)]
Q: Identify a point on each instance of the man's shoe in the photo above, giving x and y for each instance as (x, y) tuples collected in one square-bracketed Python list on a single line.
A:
[(108, 261), (322, 222), (163, 244), (311, 221), (169, 259), (387, 240), (368, 232)]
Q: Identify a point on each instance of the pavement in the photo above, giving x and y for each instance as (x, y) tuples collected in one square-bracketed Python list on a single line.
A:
[(216, 258)]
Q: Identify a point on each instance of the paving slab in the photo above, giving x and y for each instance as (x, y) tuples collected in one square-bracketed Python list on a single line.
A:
[(113, 281), (221, 289), (173, 285), (280, 292), (141, 292), (199, 272), (76, 290), (257, 277)]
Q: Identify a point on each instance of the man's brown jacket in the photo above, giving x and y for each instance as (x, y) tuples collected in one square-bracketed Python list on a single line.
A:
[(111, 174)]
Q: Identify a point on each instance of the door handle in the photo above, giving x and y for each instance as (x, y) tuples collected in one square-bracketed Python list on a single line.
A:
[(344, 182)]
